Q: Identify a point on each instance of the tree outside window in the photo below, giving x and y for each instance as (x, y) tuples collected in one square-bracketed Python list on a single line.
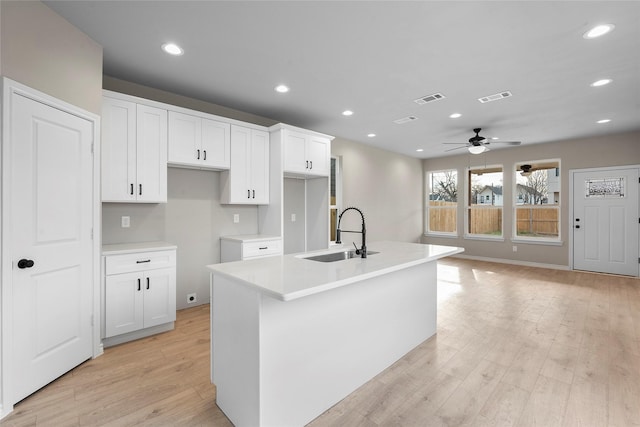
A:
[(442, 201)]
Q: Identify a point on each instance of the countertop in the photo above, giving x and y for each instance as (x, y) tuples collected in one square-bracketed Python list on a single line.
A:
[(127, 248), (245, 238), (288, 277)]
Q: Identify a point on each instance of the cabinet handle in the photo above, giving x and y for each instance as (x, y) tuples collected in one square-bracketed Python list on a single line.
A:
[(147, 283), (143, 261), (205, 154), (140, 190), (138, 284), (248, 194), (254, 194), (307, 167), (263, 248), (132, 189), (198, 154), (311, 163)]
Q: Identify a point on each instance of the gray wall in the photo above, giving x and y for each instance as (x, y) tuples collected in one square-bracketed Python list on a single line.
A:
[(386, 186), (42, 50), (597, 151)]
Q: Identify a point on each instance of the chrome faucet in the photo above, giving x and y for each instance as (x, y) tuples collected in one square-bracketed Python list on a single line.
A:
[(363, 250)]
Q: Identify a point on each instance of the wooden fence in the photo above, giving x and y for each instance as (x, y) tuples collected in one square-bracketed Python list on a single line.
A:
[(542, 222)]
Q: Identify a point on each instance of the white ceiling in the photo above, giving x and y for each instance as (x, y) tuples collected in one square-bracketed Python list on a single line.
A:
[(375, 58)]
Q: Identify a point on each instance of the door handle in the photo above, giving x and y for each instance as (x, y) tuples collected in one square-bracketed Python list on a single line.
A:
[(25, 263)]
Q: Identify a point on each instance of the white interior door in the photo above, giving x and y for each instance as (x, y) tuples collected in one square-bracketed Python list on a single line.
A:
[(605, 221), (50, 242)]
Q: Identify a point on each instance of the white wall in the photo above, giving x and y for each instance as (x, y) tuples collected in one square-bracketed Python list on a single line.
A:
[(386, 186)]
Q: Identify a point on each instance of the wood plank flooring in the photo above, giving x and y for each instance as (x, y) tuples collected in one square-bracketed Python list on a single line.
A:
[(516, 346)]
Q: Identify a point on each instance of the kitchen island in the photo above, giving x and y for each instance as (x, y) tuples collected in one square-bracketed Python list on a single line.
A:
[(292, 336)]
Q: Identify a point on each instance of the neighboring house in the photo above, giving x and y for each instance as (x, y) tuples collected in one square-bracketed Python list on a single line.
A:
[(525, 195), (490, 195), (553, 185)]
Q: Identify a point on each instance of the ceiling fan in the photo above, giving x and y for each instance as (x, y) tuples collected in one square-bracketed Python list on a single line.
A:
[(478, 144)]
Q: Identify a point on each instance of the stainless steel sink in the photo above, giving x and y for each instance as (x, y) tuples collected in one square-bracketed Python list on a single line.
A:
[(338, 256)]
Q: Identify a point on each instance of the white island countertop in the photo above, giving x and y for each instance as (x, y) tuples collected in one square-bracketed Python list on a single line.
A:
[(289, 277)]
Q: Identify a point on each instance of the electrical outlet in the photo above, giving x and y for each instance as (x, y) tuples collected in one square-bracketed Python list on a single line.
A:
[(293, 217), (515, 249), (125, 222), (191, 298), (236, 218)]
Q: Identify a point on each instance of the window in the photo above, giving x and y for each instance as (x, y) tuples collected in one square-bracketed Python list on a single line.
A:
[(442, 202), (537, 201), (335, 196), (484, 204)]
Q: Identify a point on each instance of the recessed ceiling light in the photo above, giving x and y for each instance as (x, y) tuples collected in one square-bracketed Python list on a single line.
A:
[(347, 113), (281, 89), (455, 115), (598, 30), (603, 121), (172, 49), (420, 150), (601, 82), (371, 135)]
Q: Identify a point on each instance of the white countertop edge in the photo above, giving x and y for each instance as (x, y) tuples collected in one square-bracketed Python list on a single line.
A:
[(128, 248), (290, 296), (250, 238)]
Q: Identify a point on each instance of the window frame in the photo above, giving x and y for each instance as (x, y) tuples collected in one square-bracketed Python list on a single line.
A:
[(551, 241), (427, 231), (468, 207)]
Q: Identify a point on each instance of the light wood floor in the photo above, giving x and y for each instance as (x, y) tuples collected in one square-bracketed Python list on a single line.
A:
[(515, 346)]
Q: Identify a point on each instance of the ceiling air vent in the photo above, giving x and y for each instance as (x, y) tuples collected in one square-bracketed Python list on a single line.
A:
[(429, 98), (405, 120), (495, 97)]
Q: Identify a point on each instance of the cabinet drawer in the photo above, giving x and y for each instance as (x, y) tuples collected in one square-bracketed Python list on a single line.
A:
[(127, 263), (259, 249)]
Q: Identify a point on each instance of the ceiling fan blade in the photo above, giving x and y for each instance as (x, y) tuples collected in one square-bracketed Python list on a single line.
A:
[(505, 142), (451, 149)]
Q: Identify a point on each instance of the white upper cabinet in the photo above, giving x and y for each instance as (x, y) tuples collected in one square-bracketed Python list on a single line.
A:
[(306, 154), (198, 142), (247, 181), (134, 152)]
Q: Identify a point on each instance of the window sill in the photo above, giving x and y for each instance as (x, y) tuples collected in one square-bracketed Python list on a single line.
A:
[(485, 238), (538, 242), (445, 235)]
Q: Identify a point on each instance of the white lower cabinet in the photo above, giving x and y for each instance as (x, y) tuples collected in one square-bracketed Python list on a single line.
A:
[(139, 291), (244, 247)]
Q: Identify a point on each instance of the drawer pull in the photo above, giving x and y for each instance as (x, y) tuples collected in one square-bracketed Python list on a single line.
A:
[(143, 261), (264, 247)]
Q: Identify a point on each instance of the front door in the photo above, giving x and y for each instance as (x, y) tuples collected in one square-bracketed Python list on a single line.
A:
[(605, 221), (49, 237)]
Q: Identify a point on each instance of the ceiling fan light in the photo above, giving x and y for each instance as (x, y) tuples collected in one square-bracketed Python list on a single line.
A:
[(477, 149)]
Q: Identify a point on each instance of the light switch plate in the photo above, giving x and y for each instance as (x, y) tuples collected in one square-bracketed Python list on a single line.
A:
[(125, 222), (236, 218), (293, 217)]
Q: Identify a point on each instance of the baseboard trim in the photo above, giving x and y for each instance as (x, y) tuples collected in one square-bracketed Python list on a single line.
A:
[(513, 262)]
